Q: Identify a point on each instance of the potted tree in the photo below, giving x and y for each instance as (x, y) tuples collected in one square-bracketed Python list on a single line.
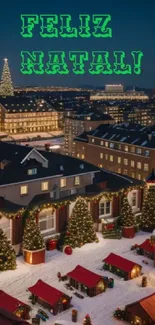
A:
[(128, 222), (33, 243)]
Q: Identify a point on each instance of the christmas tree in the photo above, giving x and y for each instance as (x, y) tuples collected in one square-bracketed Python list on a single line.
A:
[(7, 254), (127, 214), (32, 239), (80, 229), (6, 83), (87, 320), (148, 209)]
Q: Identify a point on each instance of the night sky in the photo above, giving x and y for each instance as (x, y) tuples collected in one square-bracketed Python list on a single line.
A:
[(133, 25)]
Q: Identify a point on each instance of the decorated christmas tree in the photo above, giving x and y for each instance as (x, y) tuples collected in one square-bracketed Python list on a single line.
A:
[(7, 254), (126, 213), (87, 320), (32, 239), (6, 88), (80, 228), (148, 209)]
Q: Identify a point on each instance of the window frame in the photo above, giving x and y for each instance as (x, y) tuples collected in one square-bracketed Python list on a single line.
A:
[(46, 182), (61, 180), (76, 183), (23, 194), (103, 205)]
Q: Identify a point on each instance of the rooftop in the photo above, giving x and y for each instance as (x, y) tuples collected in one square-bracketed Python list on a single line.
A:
[(21, 158), (24, 104), (126, 133), (91, 117)]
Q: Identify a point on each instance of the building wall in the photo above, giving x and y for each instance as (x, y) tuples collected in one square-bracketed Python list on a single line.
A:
[(23, 122), (75, 127), (107, 158), (11, 192)]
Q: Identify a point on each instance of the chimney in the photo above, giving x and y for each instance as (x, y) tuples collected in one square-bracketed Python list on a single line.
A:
[(3, 164), (149, 136)]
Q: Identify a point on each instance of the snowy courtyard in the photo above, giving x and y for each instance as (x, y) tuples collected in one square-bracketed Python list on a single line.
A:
[(90, 256)]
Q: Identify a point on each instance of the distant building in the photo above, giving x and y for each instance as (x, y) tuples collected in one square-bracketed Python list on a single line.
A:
[(127, 149), (77, 124), (128, 95), (25, 115), (114, 88)]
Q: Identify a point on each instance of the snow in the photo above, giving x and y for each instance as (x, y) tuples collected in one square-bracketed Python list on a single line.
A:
[(101, 307)]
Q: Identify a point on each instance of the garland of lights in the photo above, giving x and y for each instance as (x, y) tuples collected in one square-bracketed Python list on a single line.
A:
[(96, 198)]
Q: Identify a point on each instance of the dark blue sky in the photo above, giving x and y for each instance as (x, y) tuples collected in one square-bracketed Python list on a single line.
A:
[(133, 25)]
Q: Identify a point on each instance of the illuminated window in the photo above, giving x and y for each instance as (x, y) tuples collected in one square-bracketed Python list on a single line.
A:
[(83, 156), (139, 151), (93, 140), (44, 186), (125, 162), (139, 177), (102, 143), (77, 180), (101, 155), (111, 158), (139, 165), (106, 144), (106, 157), (134, 199), (62, 182), (23, 190), (133, 149), (119, 160), (132, 163), (126, 148), (47, 221), (133, 175), (78, 155), (119, 171), (125, 172), (32, 171), (146, 167), (104, 208)]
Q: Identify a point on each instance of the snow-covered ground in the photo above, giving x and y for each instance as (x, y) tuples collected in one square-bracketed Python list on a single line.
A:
[(35, 134), (100, 308)]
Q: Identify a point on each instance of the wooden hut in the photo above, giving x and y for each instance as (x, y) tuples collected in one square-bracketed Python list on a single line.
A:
[(147, 248), (86, 281), (50, 298), (7, 318), (122, 267), (14, 306), (141, 312)]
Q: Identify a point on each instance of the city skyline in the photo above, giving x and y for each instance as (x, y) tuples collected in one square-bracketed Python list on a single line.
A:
[(132, 27)]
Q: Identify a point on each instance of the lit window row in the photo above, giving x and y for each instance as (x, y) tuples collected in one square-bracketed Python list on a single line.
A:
[(45, 185)]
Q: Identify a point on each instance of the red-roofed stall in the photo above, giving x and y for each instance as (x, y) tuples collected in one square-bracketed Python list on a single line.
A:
[(49, 297), (86, 281), (14, 305), (147, 249), (141, 312), (122, 267)]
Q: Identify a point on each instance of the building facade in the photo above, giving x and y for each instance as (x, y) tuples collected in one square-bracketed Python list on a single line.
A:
[(77, 124), (127, 149), (48, 185), (24, 115)]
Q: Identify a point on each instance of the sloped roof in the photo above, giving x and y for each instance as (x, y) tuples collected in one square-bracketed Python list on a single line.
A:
[(146, 245), (145, 305), (7, 318), (9, 303), (119, 262), (47, 293), (84, 276), (151, 177)]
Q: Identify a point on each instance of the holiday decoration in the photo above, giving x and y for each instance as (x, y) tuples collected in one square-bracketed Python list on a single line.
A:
[(148, 210), (87, 320), (33, 243), (80, 226), (119, 314), (6, 88), (52, 244), (144, 281), (67, 250), (127, 219), (74, 315), (7, 254)]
